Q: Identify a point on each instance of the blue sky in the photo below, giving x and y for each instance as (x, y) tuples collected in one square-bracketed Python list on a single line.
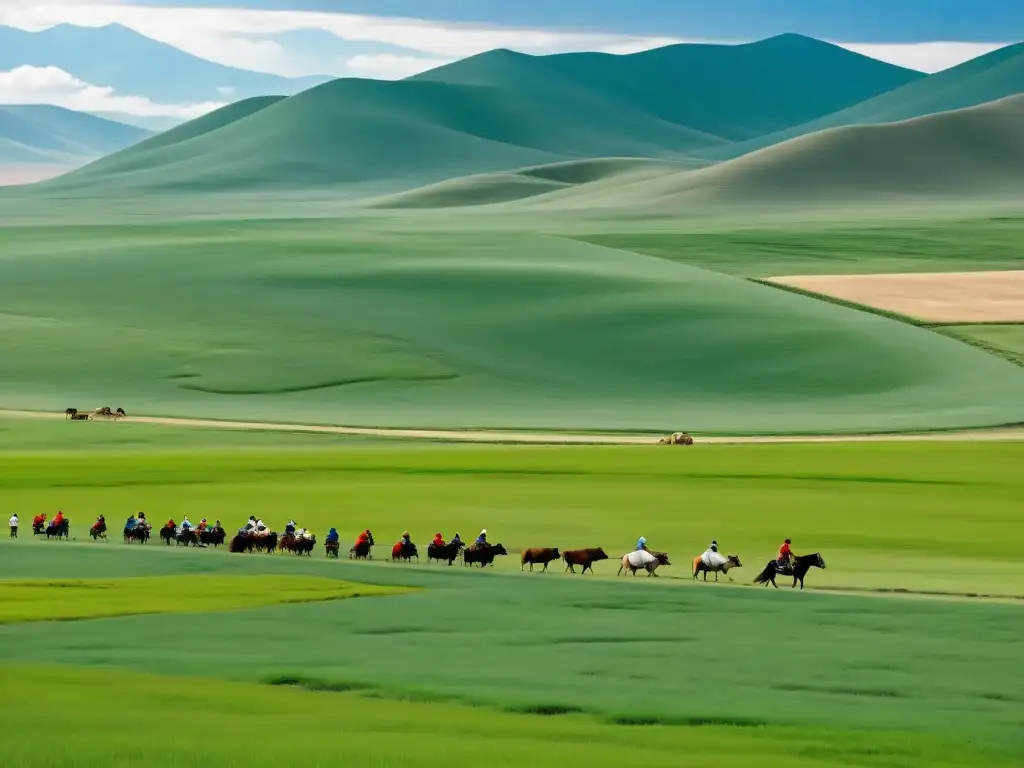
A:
[(856, 20)]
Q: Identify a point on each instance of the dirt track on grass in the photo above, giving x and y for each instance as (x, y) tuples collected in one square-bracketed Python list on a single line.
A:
[(548, 438)]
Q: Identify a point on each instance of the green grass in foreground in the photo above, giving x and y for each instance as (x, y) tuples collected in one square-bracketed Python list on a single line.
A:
[(63, 599), (294, 727), (922, 516)]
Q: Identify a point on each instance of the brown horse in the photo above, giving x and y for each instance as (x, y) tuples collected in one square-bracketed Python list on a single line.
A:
[(677, 438)]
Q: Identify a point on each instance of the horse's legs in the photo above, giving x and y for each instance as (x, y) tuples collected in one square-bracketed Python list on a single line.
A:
[(716, 576)]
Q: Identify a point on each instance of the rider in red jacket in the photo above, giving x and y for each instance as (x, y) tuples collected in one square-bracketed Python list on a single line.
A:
[(786, 554)]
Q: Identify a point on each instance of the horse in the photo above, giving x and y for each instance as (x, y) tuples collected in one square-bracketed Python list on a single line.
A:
[(167, 533), (186, 537), (213, 536), (449, 551), (267, 543), (240, 542), (361, 551), (403, 551), (304, 545), (139, 533), (803, 564), (70, 413), (642, 559), (331, 548), (58, 531), (287, 542), (677, 438), (98, 529), (484, 554), (723, 565)]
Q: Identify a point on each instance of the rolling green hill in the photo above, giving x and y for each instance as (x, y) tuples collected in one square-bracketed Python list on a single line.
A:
[(334, 322), (991, 77), (503, 110), (970, 153), (45, 134)]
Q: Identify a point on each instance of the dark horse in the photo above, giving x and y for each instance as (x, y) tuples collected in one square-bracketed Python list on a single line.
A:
[(331, 548), (58, 531), (300, 545), (803, 564), (449, 551), (188, 536), (403, 551), (484, 554), (214, 536), (139, 533), (362, 551), (98, 529), (167, 533)]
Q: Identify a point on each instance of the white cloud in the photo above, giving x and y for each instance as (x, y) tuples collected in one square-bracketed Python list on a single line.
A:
[(387, 66), (50, 85), (924, 57), (237, 37)]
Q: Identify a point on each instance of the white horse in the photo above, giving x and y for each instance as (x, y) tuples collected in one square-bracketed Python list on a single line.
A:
[(641, 559)]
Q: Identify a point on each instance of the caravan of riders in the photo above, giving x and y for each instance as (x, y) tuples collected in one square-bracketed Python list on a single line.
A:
[(255, 535)]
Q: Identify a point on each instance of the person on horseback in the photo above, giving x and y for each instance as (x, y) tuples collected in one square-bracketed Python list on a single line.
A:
[(203, 525), (290, 528), (363, 539), (332, 536), (786, 556), (405, 541), (58, 519), (481, 540), (438, 541), (641, 544), (714, 546), (186, 525), (130, 523), (456, 539)]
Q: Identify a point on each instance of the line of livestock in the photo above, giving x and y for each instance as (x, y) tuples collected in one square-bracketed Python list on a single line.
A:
[(304, 542)]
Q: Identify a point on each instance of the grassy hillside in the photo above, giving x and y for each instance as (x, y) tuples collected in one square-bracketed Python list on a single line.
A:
[(326, 322), (46, 134), (968, 153), (503, 110), (733, 92), (991, 77)]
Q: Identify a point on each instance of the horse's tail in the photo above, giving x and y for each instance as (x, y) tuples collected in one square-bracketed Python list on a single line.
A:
[(696, 565), (766, 574)]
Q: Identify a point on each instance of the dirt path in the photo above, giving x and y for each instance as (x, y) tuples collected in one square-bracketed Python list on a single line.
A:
[(542, 438)]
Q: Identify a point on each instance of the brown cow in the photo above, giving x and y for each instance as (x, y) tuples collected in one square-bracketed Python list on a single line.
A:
[(539, 555), (584, 557)]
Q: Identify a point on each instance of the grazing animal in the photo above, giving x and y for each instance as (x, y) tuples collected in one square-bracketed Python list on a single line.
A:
[(538, 555), (803, 564), (705, 564), (584, 557), (403, 551), (449, 551), (483, 554), (641, 559)]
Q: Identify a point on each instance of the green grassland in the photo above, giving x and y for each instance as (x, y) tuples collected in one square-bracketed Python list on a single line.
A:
[(1006, 339), (316, 321), (54, 599)]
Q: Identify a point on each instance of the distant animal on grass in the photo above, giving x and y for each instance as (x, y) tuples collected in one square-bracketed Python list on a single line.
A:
[(362, 550), (584, 557), (676, 438), (332, 548), (105, 411), (484, 554), (240, 542), (98, 530), (538, 555), (305, 545), (60, 530), (713, 562), (641, 559), (265, 543), (187, 537), (449, 551), (799, 570), (139, 533), (404, 551), (167, 533), (212, 536), (75, 415)]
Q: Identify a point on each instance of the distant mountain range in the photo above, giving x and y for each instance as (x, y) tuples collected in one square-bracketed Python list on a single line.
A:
[(503, 109), (676, 108), (46, 135), (135, 65)]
